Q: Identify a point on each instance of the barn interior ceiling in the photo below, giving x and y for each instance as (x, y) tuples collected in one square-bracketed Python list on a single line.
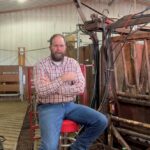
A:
[(15, 5)]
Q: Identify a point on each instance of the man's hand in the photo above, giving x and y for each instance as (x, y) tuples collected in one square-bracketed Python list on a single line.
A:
[(68, 76)]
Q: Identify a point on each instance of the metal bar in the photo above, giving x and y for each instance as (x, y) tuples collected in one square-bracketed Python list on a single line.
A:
[(143, 74), (135, 66), (134, 101), (138, 96), (125, 69), (78, 45), (78, 6), (115, 71), (119, 138), (110, 136), (133, 133), (131, 122), (147, 63), (139, 36), (94, 10), (130, 20)]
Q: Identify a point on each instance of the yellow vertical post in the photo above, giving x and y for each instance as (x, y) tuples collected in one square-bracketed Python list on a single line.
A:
[(21, 56)]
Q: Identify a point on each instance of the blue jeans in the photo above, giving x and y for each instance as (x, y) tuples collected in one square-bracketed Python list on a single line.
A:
[(52, 115)]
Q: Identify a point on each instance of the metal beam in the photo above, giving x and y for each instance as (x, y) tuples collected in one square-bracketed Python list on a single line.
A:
[(130, 20), (79, 8)]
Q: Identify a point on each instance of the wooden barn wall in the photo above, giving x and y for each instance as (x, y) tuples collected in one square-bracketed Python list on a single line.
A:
[(9, 79), (32, 28)]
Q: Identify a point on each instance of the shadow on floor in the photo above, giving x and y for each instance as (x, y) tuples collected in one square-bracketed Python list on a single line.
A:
[(24, 140)]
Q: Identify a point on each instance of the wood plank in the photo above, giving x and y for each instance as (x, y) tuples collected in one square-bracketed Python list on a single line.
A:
[(9, 88), (9, 78), (9, 69)]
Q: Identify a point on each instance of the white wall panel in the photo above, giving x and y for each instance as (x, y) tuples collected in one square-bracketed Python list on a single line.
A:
[(31, 29)]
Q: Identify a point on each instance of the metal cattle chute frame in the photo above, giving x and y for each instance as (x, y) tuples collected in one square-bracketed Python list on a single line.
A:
[(121, 87)]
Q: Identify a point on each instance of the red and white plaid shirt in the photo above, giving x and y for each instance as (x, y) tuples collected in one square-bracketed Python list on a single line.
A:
[(48, 84)]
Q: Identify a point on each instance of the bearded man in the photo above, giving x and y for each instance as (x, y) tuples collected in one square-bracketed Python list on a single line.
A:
[(58, 80)]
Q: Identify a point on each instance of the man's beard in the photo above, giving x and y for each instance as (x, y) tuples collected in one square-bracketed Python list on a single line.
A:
[(57, 56)]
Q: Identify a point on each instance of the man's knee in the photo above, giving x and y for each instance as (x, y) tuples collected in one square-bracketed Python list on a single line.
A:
[(102, 122)]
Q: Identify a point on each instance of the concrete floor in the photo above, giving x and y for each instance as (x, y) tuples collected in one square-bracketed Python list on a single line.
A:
[(11, 118)]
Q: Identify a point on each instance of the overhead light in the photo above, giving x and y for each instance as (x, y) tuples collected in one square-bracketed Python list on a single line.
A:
[(21, 1)]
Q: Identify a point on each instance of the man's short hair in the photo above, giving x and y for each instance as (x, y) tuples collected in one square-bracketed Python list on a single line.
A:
[(55, 35)]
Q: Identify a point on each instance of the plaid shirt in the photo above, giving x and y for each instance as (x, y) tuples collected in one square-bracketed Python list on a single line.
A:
[(48, 84)]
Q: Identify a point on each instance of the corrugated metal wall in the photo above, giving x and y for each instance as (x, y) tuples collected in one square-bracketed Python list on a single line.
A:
[(32, 28)]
